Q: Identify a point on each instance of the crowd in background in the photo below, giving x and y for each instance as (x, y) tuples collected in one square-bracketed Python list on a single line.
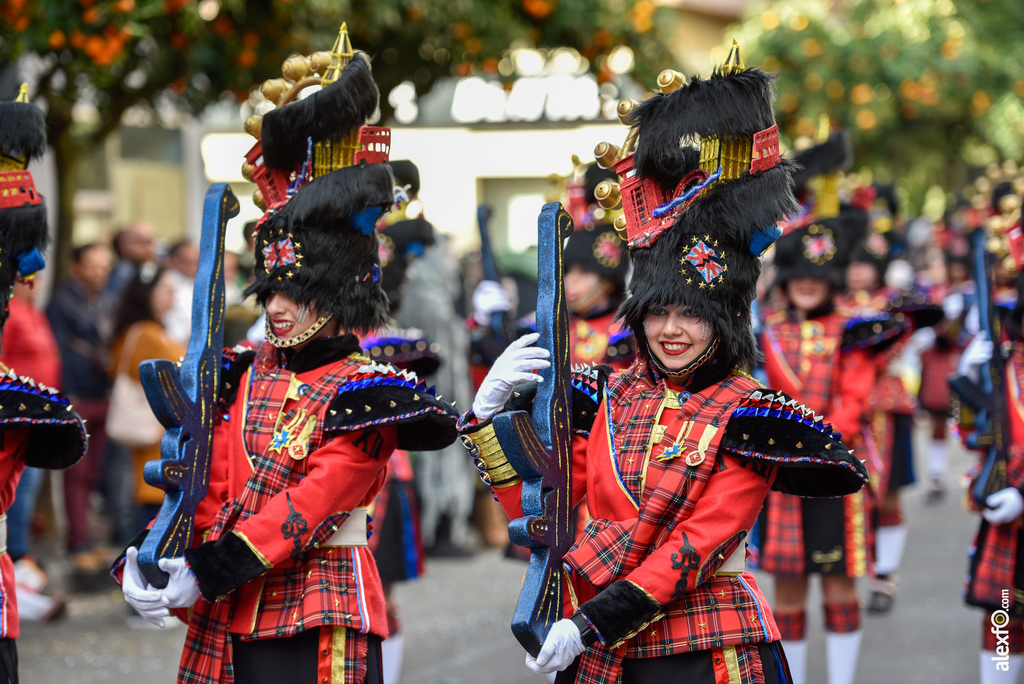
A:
[(122, 303)]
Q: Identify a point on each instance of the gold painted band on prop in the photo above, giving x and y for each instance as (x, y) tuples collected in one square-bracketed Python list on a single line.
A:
[(500, 472)]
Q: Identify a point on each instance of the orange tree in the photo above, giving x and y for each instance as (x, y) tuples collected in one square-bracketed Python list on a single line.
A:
[(119, 54), (925, 87)]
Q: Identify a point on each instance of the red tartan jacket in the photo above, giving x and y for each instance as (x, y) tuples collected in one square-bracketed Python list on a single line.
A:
[(810, 361), (339, 585), (672, 492), (298, 445), (38, 428)]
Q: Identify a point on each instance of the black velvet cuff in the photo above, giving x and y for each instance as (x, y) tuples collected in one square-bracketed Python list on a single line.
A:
[(619, 611), (222, 566)]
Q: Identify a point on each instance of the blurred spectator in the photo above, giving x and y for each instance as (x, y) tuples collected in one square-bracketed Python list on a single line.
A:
[(240, 313), (182, 264), (29, 349), (75, 314), (133, 246), (139, 333)]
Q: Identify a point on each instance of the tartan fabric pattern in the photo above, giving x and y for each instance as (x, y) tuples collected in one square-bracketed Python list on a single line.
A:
[(724, 610), (319, 586), (782, 553), (792, 626), (615, 551), (842, 618), (994, 557), (811, 350), (807, 353), (996, 549), (936, 366), (353, 669)]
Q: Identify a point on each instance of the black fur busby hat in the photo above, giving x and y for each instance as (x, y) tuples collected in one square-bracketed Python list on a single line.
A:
[(317, 242), (833, 155), (23, 230), (407, 177), (598, 249), (316, 251), (400, 244), (822, 249), (708, 154), (881, 242)]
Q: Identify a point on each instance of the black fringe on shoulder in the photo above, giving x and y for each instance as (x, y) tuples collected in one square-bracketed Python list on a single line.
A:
[(22, 129), (325, 115)]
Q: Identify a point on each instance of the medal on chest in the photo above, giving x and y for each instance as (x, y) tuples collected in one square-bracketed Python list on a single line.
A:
[(293, 437), (591, 343)]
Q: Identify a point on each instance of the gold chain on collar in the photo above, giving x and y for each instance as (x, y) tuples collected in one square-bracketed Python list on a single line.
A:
[(284, 343)]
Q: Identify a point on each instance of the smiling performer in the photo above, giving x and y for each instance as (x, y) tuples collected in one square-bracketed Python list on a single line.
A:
[(677, 453), (280, 581)]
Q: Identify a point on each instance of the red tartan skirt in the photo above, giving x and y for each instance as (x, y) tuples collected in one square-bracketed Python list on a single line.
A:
[(997, 565), (936, 366)]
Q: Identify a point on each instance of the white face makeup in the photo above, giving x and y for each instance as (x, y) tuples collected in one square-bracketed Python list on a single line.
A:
[(287, 318), (675, 337)]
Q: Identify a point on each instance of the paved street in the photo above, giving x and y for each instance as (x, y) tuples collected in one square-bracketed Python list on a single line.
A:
[(456, 621)]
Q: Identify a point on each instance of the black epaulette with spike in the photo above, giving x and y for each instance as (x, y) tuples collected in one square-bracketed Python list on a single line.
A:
[(811, 460)]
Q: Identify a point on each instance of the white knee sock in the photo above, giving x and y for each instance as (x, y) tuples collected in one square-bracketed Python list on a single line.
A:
[(391, 650), (796, 654), (938, 458), (889, 543), (991, 664), (842, 652)]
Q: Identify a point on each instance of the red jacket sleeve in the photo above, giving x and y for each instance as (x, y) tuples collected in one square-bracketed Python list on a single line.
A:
[(855, 380)]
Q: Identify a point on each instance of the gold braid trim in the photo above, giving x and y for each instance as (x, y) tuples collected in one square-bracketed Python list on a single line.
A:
[(263, 559), (495, 469), (657, 616)]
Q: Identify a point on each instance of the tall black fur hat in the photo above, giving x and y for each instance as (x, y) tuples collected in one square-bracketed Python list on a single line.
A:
[(598, 249), (833, 155), (401, 243), (23, 230), (725, 199), (320, 246), (315, 251), (822, 249)]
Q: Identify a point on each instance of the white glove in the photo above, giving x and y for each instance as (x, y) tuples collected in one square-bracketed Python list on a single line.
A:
[(515, 366), (978, 353), (182, 590), (953, 306), (489, 298), (560, 648), (921, 340), (140, 595), (1005, 506)]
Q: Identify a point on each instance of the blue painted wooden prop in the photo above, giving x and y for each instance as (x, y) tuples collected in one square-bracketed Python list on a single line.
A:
[(184, 399), (991, 418), (540, 447)]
